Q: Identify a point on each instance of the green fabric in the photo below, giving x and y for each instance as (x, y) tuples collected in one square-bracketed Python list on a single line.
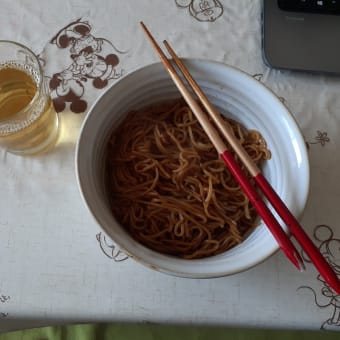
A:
[(160, 332)]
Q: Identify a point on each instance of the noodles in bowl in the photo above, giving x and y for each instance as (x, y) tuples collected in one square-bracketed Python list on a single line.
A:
[(240, 98), (169, 188)]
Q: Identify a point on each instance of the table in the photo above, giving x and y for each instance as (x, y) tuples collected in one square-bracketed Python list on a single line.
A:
[(55, 263)]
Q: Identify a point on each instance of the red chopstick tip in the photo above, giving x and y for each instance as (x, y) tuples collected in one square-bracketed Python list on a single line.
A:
[(302, 266), (296, 259)]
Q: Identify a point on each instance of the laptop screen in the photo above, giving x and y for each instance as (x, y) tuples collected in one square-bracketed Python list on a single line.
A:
[(311, 6)]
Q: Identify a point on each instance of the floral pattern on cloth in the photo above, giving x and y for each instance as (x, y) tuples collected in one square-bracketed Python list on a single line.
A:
[(78, 66), (321, 138)]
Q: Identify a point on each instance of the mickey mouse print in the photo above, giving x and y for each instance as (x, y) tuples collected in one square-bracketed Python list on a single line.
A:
[(78, 65), (202, 10)]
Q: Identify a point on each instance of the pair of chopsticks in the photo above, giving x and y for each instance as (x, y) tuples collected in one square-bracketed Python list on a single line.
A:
[(293, 225)]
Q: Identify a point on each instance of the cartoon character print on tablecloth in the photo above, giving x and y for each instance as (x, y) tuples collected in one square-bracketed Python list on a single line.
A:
[(329, 247), (4, 299), (202, 10), (87, 64), (110, 249)]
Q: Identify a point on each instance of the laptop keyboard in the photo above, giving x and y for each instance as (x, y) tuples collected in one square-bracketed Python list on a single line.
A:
[(312, 6)]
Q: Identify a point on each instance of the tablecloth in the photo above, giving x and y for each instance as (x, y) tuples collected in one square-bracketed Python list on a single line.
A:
[(55, 262)]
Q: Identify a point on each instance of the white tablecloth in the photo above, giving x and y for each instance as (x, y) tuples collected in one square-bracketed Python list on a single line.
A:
[(56, 264)]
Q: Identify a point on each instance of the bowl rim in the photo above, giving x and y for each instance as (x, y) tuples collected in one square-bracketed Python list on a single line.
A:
[(274, 246)]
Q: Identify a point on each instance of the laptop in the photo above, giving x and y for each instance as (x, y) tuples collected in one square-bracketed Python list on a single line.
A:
[(302, 34)]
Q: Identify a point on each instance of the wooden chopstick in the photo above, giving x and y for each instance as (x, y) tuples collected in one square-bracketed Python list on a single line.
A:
[(222, 125), (294, 226), (281, 237)]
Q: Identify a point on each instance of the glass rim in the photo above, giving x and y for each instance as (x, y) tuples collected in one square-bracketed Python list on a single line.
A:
[(40, 84)]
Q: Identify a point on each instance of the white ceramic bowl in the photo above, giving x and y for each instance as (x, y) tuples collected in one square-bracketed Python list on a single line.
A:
[(238, 96)]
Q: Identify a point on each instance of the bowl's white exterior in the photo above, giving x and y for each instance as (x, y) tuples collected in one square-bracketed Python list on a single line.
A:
[(237, 95)]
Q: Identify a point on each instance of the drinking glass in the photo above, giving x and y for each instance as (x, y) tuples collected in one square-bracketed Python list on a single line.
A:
[(28, 121)]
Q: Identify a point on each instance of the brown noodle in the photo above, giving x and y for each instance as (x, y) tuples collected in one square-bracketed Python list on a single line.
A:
[(170, 189)]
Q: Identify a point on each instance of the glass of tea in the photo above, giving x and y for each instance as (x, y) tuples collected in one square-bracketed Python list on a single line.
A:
[(28, 121)]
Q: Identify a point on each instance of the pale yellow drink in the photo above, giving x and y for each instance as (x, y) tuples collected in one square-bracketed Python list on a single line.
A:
[(28, 121)]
